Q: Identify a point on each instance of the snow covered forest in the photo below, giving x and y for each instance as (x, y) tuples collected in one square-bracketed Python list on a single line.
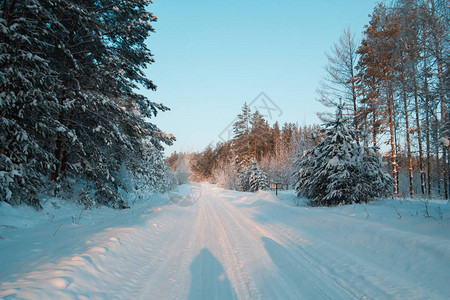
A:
[(72, 118), (392, 88)]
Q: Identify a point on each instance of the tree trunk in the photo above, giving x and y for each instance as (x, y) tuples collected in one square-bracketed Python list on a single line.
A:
[(374, 120), (419, 137), (393, 144), (354, 98), (248, 137), (427, 119), (443, 119), (438, 48), (408, 144), (254, 153), (436, 146), (60, 149)]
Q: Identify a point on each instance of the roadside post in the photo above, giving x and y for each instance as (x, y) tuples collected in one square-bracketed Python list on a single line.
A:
[(275, 186)]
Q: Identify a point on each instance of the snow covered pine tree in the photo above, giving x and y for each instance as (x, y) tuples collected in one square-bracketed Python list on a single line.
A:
[(69, 106), (258, 178), (27, 100), (253, 178), (338, 171)]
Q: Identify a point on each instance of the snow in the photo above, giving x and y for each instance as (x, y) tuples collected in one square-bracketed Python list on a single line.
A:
[(333, 162), (445, 141), (226, 245)]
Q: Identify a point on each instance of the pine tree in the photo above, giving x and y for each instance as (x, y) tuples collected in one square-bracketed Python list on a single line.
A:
[(372, 180), (276, 140), (259, 135), (27, 100), (241, 139), (201, 164), (150, 172), (258, 178), (338, 171), (378, 66), (70, 72), (286, 136), (252, 178), (100, 62)]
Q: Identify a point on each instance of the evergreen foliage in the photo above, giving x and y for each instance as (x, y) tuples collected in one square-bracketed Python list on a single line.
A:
[(226, 164), (27, 100), (252, 178), (241, 140), (70, 110), (338, 171)]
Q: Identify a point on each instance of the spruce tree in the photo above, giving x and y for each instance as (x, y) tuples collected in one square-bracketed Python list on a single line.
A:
[(241, 139), (243, 180), (104, 115), (258, 178), (70, 106), (259, 135), (252, 178), (338, 171), (27, 100)]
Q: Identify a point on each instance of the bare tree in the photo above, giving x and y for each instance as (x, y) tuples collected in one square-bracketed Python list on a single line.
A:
[(339, 83)]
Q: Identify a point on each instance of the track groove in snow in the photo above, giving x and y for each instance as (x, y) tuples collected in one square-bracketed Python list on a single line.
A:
[(311, 283), (231, 245)]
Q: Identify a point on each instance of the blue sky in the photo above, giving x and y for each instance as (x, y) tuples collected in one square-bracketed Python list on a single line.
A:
[(212, 56)]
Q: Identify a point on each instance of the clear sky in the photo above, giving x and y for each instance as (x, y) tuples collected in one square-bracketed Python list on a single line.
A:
[(212, 56)]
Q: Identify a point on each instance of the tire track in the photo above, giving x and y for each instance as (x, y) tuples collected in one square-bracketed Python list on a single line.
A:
[(233, 262), (255, 231)]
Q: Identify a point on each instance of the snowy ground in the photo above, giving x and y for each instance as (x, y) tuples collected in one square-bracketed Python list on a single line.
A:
[(226, 245)]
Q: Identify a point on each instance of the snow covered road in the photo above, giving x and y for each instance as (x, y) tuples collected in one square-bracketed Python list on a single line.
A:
[(232, 245)]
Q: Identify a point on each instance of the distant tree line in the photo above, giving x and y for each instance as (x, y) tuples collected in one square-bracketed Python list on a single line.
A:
[(70, 112), (257, 150)]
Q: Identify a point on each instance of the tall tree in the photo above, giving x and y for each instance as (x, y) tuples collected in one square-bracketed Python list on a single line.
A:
[(259, 135), (27, 100), (340, 81), (439, 14), (241, 139), (276, 139), (435, 47), (84, 67), (408, 49), (379, 62)]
